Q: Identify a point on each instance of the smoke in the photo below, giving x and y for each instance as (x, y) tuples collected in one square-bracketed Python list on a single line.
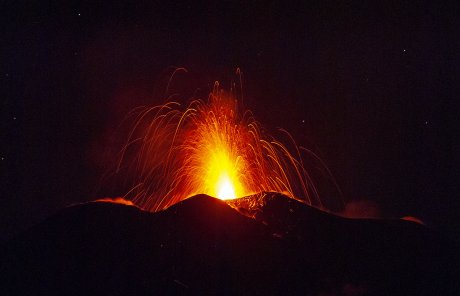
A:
[(361, 209), (369, 209)]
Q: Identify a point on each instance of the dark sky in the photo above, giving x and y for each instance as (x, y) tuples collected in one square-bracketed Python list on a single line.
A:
[(368, 87)]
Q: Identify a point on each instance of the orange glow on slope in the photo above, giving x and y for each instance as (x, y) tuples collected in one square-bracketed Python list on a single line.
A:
[(413, 219), (117, 200), (211, 148)]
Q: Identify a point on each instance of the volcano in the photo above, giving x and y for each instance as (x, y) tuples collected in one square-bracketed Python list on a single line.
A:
[(261, 244)]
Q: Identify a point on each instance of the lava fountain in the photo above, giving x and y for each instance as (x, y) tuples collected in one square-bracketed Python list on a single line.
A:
[(208, 147)]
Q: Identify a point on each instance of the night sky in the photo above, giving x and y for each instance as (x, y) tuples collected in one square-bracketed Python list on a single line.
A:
[(367, 87)]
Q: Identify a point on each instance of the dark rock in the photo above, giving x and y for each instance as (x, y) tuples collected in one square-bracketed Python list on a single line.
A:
[(264, 244)]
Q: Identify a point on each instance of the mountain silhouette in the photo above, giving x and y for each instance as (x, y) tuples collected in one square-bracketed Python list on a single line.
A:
[(257, 245)]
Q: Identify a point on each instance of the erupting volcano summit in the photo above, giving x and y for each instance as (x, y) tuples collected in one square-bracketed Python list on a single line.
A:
[(208, 148)]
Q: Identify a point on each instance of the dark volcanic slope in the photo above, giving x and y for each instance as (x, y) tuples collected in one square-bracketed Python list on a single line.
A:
[(271, 245)]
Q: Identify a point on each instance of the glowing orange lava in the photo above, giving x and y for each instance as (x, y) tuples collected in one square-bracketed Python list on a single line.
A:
[(211, 148)]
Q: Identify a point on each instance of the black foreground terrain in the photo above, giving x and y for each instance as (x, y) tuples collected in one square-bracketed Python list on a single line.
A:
[(259, 245)]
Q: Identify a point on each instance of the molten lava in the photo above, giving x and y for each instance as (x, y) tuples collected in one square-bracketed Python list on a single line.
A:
[(211, 148), (225, 188)]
